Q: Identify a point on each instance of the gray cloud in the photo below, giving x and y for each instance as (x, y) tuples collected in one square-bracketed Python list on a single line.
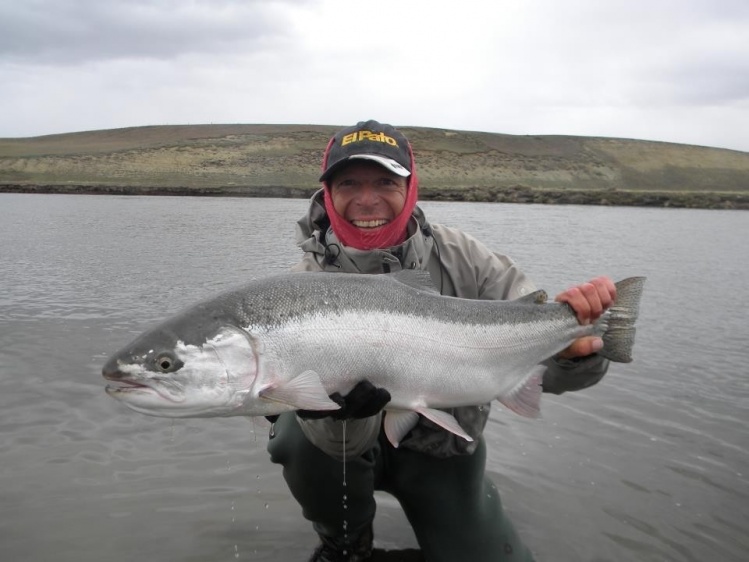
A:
[(71, 32), (674, 70)]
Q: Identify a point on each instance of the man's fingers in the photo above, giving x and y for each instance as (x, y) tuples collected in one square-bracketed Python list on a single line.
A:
[(589, 300), (606, 290), (590, 293), (582, 347), (576, 299)]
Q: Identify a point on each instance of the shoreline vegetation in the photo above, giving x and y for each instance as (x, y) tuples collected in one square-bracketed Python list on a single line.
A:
[(516, 194), (283, 161)]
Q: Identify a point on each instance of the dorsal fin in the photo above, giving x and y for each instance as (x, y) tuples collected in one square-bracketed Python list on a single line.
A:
[(415, 278), (536, 297)]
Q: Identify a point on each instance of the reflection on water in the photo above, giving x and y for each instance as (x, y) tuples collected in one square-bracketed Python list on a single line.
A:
[(649, 465)]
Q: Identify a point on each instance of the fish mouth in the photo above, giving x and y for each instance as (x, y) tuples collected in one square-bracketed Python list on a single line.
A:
[(126, 389), (126, 386)]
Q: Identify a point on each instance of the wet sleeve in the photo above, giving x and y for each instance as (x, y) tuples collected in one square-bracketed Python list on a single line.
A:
[(566, 375), (341, 441)]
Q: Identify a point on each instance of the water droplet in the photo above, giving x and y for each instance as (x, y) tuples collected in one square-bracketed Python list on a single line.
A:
[(267, 506)]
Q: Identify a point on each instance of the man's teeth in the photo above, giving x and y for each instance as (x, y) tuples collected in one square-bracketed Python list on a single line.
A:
[(369, 224)]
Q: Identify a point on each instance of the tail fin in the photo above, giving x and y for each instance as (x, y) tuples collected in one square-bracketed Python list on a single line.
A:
[(619, 336)]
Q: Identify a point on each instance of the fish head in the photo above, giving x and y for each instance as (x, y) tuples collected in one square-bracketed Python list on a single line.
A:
[(161, 374)]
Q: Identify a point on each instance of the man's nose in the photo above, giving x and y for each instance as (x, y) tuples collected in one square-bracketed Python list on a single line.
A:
[(366, 194)]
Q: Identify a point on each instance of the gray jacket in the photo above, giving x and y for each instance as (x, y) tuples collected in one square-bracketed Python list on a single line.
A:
[(459, 266)]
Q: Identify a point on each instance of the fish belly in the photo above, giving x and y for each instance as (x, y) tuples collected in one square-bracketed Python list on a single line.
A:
[(420, 361)]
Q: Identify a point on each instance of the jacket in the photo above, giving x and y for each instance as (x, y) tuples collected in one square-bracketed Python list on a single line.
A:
[(460, 266)]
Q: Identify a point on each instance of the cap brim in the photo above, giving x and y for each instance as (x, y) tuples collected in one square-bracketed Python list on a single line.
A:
[(387, 163)]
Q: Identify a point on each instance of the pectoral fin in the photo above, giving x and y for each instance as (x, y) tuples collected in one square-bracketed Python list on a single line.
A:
[(304, 392), (525, 397)]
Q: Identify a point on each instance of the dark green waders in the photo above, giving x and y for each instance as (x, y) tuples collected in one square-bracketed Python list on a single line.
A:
[(454, 509)]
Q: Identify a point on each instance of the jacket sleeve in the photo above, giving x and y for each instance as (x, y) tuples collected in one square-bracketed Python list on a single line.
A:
[(565, 375)]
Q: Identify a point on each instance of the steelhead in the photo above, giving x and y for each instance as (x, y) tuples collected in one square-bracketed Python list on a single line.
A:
[(286, 342)]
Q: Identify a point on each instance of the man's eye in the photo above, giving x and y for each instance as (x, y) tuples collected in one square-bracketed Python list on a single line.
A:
[(388, 183)]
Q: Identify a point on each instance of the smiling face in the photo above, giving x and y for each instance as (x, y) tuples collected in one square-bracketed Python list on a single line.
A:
[(367, 195)]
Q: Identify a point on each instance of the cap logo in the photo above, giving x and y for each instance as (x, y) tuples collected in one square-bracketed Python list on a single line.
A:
[(368, 136)]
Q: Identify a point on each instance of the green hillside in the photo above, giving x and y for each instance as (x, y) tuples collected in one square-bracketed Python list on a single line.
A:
[(284, 160)]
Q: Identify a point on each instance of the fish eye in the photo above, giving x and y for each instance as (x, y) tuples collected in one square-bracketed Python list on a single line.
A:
[(165, 362)]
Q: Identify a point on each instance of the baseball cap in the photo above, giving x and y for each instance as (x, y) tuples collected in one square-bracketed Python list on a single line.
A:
[(368, 140)]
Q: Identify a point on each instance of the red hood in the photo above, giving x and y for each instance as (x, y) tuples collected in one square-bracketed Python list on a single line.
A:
[(385, 236)]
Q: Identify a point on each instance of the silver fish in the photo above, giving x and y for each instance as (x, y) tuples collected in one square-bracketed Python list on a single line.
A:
[(286, 342)]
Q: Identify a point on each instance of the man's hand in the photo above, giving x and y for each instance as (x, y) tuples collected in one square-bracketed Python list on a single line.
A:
[(589, 301), (362, 401)]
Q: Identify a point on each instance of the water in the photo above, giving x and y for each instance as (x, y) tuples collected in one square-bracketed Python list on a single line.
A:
[(649, 465)]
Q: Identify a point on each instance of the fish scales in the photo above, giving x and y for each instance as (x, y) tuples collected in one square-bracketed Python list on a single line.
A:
[(379, 341)]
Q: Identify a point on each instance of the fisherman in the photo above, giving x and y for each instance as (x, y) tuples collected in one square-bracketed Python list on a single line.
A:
[(365, 219)]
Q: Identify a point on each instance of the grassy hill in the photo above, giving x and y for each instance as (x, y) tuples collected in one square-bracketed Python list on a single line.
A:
[(284, 160)]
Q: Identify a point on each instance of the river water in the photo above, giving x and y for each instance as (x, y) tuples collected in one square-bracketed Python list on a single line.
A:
[(649, 465)]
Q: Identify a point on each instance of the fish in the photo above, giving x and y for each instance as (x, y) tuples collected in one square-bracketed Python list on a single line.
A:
[(287, 342)]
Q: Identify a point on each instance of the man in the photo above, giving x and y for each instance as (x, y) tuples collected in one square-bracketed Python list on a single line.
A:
[(365, 220)]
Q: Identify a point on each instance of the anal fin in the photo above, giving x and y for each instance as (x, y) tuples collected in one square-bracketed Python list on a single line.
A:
[(445, 421), (525, 398), (398, 423)]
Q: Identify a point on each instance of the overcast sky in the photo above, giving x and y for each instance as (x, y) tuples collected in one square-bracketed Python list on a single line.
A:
[(668, 70)]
